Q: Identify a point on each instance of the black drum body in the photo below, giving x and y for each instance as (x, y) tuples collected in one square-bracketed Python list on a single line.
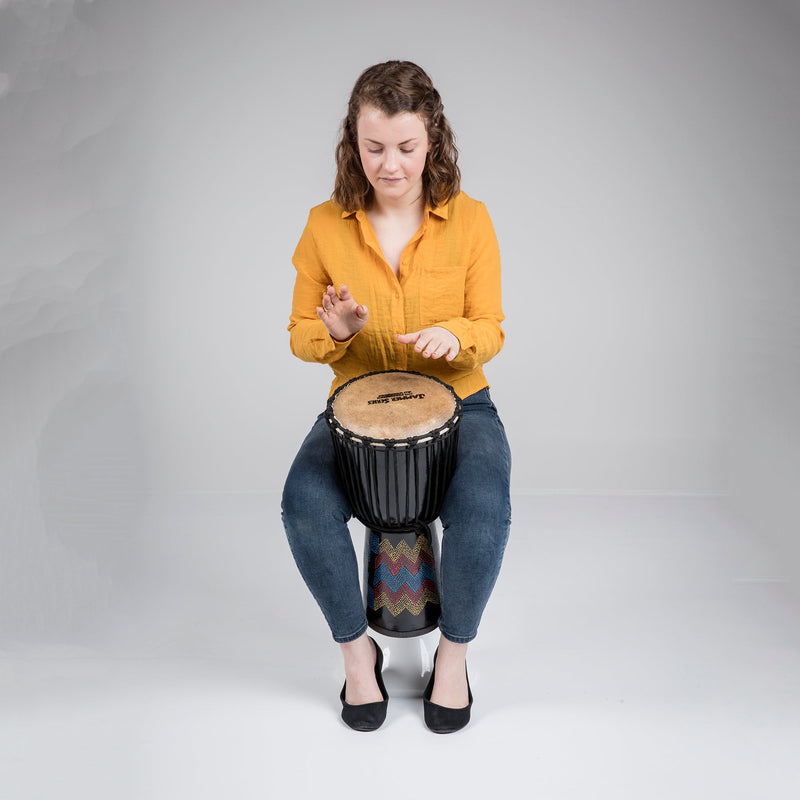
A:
[(396, 486)]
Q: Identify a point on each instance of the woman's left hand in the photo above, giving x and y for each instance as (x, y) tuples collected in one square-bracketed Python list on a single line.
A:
[(432, 342)]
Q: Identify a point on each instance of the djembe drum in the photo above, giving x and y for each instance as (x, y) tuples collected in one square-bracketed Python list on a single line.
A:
[(395, 435)]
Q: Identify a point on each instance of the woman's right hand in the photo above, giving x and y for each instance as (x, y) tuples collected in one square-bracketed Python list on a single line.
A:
[(340, 313)]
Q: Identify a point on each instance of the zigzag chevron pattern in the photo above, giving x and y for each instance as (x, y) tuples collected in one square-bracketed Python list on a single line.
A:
[(403, 562), (382, 590), (405, 603), (404, 578), (378, 545)]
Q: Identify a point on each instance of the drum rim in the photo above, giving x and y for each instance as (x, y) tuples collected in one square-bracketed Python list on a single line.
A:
[(409, 441)]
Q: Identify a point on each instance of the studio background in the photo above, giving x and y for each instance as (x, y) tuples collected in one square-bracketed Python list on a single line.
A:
[(641, 163)]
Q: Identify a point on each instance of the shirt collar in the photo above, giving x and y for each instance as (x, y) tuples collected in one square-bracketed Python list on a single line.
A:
[(440, 211)]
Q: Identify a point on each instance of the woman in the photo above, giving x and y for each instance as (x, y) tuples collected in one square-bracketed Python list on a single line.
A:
[(401, 270)]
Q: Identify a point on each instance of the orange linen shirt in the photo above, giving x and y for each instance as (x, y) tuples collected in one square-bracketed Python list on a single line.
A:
[(449, 276)]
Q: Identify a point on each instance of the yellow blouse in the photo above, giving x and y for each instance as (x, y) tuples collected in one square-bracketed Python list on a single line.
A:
[(449, 276)]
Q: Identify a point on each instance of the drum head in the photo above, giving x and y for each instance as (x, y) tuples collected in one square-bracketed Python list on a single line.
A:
[(394, 405)]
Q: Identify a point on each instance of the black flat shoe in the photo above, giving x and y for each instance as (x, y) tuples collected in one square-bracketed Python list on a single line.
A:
[(367, 716), (441, 719)]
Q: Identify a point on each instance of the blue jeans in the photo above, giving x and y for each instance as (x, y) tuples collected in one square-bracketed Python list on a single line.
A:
[(475, 517)]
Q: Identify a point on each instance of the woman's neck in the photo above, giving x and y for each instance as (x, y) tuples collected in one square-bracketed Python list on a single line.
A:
[(400, 210)]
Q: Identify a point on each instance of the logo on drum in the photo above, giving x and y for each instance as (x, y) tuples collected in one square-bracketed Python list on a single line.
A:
[(393, 397)]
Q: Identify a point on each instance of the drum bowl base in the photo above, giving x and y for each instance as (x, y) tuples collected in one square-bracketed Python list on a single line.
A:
[(402, 596), (394, 633)]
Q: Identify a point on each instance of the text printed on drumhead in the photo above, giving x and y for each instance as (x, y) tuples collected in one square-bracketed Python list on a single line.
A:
[(393, 397)]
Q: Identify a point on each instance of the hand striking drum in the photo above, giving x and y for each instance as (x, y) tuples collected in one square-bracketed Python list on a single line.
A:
[(395, 436)]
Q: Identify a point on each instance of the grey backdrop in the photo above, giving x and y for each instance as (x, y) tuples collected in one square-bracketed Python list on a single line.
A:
[(641, 162)]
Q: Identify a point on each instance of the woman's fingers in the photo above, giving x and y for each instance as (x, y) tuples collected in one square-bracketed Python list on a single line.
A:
[(340, 314), (344, 293), (432, 342), (331, 298), (326, 302)]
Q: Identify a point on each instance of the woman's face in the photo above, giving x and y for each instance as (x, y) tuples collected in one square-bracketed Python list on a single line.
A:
[(393, 152)]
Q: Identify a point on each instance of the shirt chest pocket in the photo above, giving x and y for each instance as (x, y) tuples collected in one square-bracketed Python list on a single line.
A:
[(441, 294)]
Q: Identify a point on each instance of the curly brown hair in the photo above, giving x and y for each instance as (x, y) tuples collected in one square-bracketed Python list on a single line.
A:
[(396, 87)]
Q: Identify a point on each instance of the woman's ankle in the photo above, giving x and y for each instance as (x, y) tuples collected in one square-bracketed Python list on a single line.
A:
[(450, 687), (360, 656)]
